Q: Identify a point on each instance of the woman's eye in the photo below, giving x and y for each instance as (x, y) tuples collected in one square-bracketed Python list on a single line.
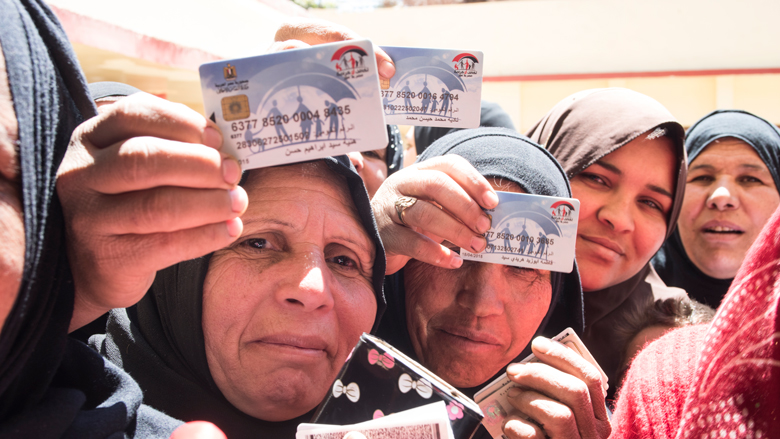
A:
[(257, 244), (701, 179), (653, 205), (344, 261), (749, 179), (593, 177), (372, 154)]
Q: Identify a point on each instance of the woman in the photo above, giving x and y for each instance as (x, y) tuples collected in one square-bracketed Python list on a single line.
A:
[(732, 189), (251, 336), (623, 152), (463, 323), (50, 386)]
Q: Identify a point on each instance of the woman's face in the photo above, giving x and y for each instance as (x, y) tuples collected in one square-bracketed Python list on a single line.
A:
[(286, 303), (372, 167), (467, 324), (625, 200), (729, 196), (11, 213)]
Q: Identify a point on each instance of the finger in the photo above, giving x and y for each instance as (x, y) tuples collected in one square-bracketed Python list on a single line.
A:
[(439, 187), (164, 209), (142, 114), (467, 177), (147, 162), (424, 214), (567, 360), (278, 46), (384, 63), (198, 430), (556, 419), (518, 427), (402, 240)]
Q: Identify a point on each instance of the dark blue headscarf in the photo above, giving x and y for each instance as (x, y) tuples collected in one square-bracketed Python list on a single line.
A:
[(672, 262)]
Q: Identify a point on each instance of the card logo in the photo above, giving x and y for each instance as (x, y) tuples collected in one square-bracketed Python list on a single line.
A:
[(230, 72), (465, 65), (562, 212), (350, 62)]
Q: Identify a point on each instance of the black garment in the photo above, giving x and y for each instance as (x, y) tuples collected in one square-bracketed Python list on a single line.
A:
[(498, 152), (50, 385), (394, 153), (491, 115), (672, 262), (160, 341)]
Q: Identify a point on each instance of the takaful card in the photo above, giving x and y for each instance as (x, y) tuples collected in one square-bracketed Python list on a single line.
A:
[(433, 87), (296, 105), (532, 231)]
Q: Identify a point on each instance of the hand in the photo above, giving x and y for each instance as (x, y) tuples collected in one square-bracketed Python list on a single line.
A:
[(451, 195), (563, 396), (311, 32), (143, 186), (198, 430)]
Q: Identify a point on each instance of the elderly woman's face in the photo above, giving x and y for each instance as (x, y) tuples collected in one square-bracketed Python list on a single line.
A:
[(286, 303), (625, 200), (11, 213), (729, 197), (467, 324)]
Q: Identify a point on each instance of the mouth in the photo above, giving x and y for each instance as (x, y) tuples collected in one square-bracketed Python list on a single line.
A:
[(606, 243), (296, 344), (722, 228), (471, 336)]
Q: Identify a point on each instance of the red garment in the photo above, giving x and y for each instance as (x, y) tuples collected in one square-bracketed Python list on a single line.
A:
[(734, 390)]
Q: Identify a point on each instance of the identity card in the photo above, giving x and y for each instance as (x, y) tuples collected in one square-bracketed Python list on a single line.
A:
[(532, 231), (296, 105), (492, 399), (433, 87)]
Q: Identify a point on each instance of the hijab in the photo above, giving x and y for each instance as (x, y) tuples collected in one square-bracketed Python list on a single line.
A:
[(50, 385), (160, 341), (579, 131), (506, 154), (672, 262), (490, 115)]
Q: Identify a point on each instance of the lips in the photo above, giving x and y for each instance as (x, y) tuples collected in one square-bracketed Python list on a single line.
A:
[(303, 344), (606, 243), (721, 228), (473, 336)]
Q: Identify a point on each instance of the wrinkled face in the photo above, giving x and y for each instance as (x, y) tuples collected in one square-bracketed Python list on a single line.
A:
[(372, 167), (467, 324), (286, 303), (11, 213), (729, 196), (625, 200)]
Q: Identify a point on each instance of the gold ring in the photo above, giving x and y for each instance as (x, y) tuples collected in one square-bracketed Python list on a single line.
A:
[(401, 204)]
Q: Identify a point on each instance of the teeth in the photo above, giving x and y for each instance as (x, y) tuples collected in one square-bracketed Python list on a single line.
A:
[(721, 229)]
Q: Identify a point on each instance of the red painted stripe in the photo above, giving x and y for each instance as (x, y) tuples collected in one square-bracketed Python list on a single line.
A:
[(106, 36), (569, 76)]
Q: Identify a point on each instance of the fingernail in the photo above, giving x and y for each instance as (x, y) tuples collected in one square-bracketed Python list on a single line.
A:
[(231, 170), (456, 261), (483, 224), (234, 227), (386, 69), (490, 199), (238, 199), (543, 344), (514, 392), (514, 369), (478, 244), (212, 138)]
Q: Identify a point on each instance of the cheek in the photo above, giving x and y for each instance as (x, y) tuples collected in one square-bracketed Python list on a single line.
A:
[(648, 237), (429, 290), (12, 250), (356, 311), (760, 208), (693, 203), (589, 202)]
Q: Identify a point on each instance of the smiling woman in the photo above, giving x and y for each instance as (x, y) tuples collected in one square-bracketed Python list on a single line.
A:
[(251, 336), (623, 152), (731, 191)]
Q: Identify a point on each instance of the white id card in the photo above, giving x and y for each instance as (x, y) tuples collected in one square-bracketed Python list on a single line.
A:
[(433, 87), (532, 231), (296, 105)]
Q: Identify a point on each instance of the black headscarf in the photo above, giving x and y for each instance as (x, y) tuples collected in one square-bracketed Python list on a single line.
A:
[(50, 385), (394, 153), (672, 262), (498, 152), (108, 89), (160, 341), (491, 115)]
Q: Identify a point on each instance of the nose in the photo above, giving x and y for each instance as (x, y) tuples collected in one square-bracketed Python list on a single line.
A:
[(482, 289), (308, 285), (722, 198), (617, 214), (357, 160)]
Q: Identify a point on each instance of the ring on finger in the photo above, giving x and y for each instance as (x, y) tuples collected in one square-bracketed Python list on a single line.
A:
[(401, 204)]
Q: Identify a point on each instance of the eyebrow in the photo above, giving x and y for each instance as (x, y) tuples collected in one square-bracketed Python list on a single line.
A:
[(712, 168), (269, 220)]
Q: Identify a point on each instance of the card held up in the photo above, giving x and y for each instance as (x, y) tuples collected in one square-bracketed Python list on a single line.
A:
[(296, 105), (532, 231), (433, 87)]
